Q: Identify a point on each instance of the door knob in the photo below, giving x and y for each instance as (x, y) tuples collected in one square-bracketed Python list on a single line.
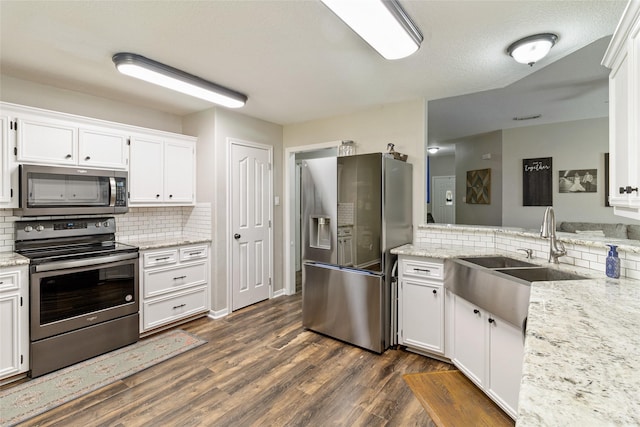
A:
[(236, 236)]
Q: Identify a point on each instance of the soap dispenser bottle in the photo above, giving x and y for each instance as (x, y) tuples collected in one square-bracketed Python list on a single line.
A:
[(613, 263)]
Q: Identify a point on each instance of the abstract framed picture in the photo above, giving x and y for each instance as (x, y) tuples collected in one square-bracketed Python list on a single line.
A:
[(578, 181), (479, 186)]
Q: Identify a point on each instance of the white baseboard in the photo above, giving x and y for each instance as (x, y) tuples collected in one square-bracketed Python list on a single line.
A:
[(213, 314)]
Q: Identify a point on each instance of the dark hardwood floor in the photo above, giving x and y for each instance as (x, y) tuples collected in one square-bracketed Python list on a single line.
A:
[(259, 368)]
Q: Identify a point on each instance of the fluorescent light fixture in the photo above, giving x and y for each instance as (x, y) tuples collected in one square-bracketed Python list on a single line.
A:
[(383, 24), (154, 72), (530, 50), (433, 150)]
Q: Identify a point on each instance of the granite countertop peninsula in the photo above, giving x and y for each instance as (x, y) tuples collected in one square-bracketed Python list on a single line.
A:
[(441, 252), (12, 259), (582, 349), (582, 354), (166, 243)]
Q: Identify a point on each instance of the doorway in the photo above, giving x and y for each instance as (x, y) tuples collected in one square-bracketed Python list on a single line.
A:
[(444, 199)]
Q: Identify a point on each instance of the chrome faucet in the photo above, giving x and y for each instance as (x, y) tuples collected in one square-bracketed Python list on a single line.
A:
[(548, 230)]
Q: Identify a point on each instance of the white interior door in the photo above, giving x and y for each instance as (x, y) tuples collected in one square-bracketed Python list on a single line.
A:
[(444, 199), (250, 224)]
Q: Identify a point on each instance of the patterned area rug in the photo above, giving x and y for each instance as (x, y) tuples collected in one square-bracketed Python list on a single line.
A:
[(45, 393)]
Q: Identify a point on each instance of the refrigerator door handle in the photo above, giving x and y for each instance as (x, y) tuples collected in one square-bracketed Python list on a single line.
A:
[(351, 269)]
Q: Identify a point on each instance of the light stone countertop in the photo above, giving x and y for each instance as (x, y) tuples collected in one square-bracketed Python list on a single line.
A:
[(582, 355), (144, 245), (582, 350), (12, 259)]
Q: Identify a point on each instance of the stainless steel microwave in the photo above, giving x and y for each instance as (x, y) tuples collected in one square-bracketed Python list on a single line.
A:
[(51, 190)]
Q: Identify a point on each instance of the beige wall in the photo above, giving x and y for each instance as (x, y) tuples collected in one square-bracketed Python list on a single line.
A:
[(579, 144), (213, 128), (23, 92), (402, 124)]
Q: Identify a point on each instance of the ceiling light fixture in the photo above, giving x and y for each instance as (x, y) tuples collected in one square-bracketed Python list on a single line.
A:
[(530, 50), (154, 72), (433, 150), (384, 25)]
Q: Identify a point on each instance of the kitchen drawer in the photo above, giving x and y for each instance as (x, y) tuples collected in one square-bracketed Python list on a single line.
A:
[(164, 310), (423, 269), (163, 280), (158, 258), (9, 281), (193, 252)]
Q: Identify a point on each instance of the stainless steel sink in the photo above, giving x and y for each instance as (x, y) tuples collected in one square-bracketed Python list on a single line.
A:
[(499, 284), (498, 262), (540, 274)]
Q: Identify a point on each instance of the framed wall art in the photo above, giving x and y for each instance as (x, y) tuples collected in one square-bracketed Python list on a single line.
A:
[(578, 181), (537, 182), (479, 186)]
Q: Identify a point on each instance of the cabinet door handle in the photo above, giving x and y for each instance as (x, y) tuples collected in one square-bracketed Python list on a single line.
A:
[(476, 311), (628, 189), (178, 306), (68, 156), (87, 158), (170, 196), (435, 292), (179, 277), (491, 320), (157, 196)]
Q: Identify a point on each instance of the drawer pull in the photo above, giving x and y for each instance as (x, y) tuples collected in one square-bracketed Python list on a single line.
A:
[(1, 283), (424, 270), (179, 306), (195, 253), (163, 258), (179, 277)]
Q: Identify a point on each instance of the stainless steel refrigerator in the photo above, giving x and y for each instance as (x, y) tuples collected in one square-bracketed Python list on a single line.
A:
[(355, 209)]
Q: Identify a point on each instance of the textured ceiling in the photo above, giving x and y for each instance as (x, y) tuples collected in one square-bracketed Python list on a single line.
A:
[(294, 59)]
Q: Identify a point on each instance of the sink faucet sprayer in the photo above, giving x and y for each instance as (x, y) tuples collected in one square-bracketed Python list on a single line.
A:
[(548, 230)]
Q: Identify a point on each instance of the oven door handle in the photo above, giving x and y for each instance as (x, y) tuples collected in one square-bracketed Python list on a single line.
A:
[(61, 265)]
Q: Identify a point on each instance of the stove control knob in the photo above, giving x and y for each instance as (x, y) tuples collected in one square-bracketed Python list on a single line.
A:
[(98, 224), (28, 228), (40, 228), (106, 223)]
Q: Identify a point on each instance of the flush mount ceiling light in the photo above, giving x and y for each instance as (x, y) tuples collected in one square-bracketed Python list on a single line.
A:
[(530, 50), (154, 72), (433, 150), (383, 24)]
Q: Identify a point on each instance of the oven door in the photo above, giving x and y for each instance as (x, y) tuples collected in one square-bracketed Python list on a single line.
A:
[(70, 295)]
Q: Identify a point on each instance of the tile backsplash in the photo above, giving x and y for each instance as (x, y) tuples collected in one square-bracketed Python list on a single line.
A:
[(591, 255), (139, 224)]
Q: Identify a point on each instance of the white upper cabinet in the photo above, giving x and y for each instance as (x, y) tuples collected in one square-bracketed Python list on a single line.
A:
[(50, 138), (623, 58), (46, 140), (102, 148), (8, 166), (162, 170)]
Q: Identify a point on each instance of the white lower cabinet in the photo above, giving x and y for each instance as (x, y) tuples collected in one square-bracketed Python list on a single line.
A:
[(174, 285), (489, 351), (14, 321), (421, 304)]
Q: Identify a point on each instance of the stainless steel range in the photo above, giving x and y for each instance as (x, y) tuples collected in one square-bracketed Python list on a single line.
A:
[(83, 290)]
